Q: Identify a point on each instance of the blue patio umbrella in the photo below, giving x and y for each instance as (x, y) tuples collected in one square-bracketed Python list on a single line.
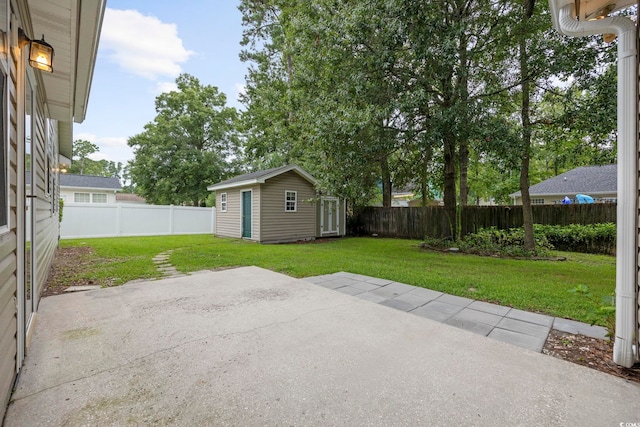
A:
[(583, 198), (566, 200)]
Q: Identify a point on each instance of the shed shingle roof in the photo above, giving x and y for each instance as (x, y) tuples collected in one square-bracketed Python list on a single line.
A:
[(583, 180), (260, 176)]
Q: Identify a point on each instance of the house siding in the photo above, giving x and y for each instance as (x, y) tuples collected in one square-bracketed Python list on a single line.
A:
[(44, 155), (278, 225), (8, 248)]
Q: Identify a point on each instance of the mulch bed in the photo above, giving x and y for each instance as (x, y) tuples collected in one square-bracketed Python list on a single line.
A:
[(590, 352)]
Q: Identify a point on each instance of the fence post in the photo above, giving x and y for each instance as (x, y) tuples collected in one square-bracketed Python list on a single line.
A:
[(119, 220), (170, 219)]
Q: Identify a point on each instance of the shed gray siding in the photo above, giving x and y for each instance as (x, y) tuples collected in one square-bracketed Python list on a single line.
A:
[(229, 223), (277, 225)]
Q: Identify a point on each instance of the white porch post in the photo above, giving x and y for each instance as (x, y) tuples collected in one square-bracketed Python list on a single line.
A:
[(625, 350)]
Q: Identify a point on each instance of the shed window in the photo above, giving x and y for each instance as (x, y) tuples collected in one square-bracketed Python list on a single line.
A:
[(223, 202), (537, 201), (290, 201)]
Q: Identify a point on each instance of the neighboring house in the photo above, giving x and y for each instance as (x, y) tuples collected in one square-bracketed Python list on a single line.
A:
[(276, 205), (38, 109), (599, 182), (88, 188), (130, 198)]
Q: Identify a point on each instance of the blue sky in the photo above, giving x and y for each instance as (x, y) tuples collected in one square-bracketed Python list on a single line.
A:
[(144, 45)]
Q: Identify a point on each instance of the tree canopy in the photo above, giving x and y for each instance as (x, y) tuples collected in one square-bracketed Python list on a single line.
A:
[(189, 145), (83, 165)]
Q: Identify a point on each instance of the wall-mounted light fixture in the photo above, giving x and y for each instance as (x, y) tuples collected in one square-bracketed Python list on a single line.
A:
[(40, 52)]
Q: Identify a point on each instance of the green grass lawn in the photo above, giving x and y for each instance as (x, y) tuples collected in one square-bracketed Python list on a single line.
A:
[(539, 286)]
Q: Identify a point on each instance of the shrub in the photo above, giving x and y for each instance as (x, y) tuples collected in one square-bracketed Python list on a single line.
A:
[(490, 241), (592, 238)]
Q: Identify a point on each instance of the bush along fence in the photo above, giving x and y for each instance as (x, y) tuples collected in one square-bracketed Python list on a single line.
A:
[(431, 221)]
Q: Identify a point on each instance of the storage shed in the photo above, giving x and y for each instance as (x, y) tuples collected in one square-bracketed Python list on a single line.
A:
[(276, 205)]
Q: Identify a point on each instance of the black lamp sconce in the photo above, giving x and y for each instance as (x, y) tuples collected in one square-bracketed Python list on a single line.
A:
[(40, 52)]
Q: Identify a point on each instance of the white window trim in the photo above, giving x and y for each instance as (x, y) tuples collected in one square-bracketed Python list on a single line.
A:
[(295, 201), (106, 198), (75, 198), (223, 202)]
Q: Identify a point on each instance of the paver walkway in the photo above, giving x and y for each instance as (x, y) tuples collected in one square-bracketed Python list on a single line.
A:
[(518, 327)]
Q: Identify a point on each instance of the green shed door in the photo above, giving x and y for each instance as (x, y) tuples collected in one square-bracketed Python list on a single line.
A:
[(246, 214)]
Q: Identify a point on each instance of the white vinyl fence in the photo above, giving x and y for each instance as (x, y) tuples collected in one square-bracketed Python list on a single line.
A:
[(80, 220)]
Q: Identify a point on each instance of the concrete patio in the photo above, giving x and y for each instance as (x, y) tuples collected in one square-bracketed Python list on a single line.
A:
[(248, 346)]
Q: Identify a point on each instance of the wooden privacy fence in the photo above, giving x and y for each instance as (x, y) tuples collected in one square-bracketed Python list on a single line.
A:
[(418, 222)]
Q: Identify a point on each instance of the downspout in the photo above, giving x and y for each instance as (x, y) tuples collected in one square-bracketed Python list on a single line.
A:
[(625, 350)]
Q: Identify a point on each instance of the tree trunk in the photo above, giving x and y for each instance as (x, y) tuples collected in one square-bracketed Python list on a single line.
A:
[(386, 182), (463, 152), (527, 214), (450, 184)]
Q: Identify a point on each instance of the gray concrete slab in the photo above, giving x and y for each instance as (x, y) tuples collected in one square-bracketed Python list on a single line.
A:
[(365, 286), (399, 305), (427, 294), (518, 339), (455, 300), (469, 325), (526, 316), (413, 299), (368, 296), (249, 346), (573, 327), (487, 307), (332, 284), (349, 290), (467, 314), (429, 313), (379, 282), (442, 307), (523, 327)]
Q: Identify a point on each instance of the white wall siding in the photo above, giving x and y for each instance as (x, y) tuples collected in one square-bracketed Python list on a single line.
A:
[(122, 219)]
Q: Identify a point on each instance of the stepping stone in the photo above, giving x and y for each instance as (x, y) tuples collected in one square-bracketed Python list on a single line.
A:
[(82, 288)]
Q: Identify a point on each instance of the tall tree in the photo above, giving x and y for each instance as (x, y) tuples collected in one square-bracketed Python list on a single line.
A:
[(81, 150), (186, 147)]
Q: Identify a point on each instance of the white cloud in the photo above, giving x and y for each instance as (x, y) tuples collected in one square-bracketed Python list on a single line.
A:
[(162, 87), (111, 147), (143, 45), (241, 89)]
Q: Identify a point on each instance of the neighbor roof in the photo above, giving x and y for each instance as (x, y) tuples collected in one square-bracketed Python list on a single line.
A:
[(89, 181), (260, 177), (588, 180)]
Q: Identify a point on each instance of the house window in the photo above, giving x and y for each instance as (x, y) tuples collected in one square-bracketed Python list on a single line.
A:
[(537, 201), (82, 197), (290, 201), (99, 198), (223, 202)]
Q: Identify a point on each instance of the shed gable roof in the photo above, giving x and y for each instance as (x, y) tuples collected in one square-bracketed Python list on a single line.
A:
[(583, 180), (260, 177)]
